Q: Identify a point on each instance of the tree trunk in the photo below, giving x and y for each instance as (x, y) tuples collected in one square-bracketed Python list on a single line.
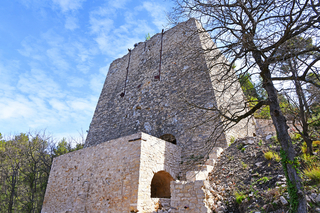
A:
[(303, 106), (293, 180), (12, 191)]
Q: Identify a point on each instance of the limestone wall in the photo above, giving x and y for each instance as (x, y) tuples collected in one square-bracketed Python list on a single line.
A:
[(189, 197), (156, 155), (230, 99), (171, 105), (102, 178), (114, 176)]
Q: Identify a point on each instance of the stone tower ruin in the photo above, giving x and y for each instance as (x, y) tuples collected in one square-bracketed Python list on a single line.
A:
[(150, 125)]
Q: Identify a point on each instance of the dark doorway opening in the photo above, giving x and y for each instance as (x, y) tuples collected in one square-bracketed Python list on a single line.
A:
[(170, 138), (160, 185)]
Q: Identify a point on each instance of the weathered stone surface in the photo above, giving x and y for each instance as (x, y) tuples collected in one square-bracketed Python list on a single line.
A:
[(191, 197), (114, 176), (283, 201), (164, 106)]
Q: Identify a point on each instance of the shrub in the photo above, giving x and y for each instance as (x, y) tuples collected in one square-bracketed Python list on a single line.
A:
[(263, 180), (268, 155), (239, 196), (310, 160), (316, 143), (244, 165), (313, 173), (232, 139), (276, 157), (304, 147), (295, 136)]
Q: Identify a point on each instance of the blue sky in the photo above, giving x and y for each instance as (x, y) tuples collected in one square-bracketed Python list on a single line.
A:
[(55, 54)]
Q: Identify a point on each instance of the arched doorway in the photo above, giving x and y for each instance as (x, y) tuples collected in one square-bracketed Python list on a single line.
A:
[(168, 137), (160, 185)]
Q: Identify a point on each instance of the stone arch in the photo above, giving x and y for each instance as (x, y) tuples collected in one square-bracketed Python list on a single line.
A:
[(168, 137), (160, 185)]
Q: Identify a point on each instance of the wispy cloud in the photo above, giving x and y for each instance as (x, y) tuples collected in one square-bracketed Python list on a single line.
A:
[(115, 40), (58, 61), (71, 23), (66, 5), (158, 12)]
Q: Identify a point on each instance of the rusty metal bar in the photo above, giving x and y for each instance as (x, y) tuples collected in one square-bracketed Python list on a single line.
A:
[(158, 76), (125, 83)]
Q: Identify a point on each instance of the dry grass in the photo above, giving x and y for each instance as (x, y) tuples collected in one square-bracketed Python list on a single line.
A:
[(313, 173), (268, 155)]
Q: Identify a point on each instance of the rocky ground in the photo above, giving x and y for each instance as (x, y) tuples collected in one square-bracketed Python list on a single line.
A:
[(243, 180)]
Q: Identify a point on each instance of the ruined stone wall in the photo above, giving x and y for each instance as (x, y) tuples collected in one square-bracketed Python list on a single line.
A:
[(114, 176), (156, 155), (189, 197), (96, 178), (229, 96), (133, 100)]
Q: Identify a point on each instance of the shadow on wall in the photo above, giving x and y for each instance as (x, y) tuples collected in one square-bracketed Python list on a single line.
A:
[(160, 185), (168, 137)]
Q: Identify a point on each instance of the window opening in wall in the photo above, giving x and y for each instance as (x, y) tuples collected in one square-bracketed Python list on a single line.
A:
[(170, 138), (160, 185)]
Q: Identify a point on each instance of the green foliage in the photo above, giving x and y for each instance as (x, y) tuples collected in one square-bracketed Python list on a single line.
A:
[(276, 157), (245, 166), (313, 173), (232, 139), (304, 148), (268, 155), (148, 36), (254, 93), (65, 147), (274, 139), (309, 160), (263, 113), (263, 180), (247, 86), (25, 163), (295, 136), (62, 148), (292, 190), (240, 196)]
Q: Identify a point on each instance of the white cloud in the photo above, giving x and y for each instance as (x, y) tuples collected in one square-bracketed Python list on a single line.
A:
[(101, 25), (96, 83), (58, 105), (58, 61), (71, 23), (104, 70), (76, 82), (157, 11), (37, 83), (31, 49), (66, 5), (83, 68), (115, 40), (118, 3), (15, 108)]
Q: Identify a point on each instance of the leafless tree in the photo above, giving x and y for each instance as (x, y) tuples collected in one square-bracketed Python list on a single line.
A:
[(251, 35)]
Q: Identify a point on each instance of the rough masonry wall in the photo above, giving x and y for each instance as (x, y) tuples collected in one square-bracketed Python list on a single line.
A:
[(133, 100), (114, 176), (190, 197), (229, 96), (162, 106), (156, 155), (102, 178)]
